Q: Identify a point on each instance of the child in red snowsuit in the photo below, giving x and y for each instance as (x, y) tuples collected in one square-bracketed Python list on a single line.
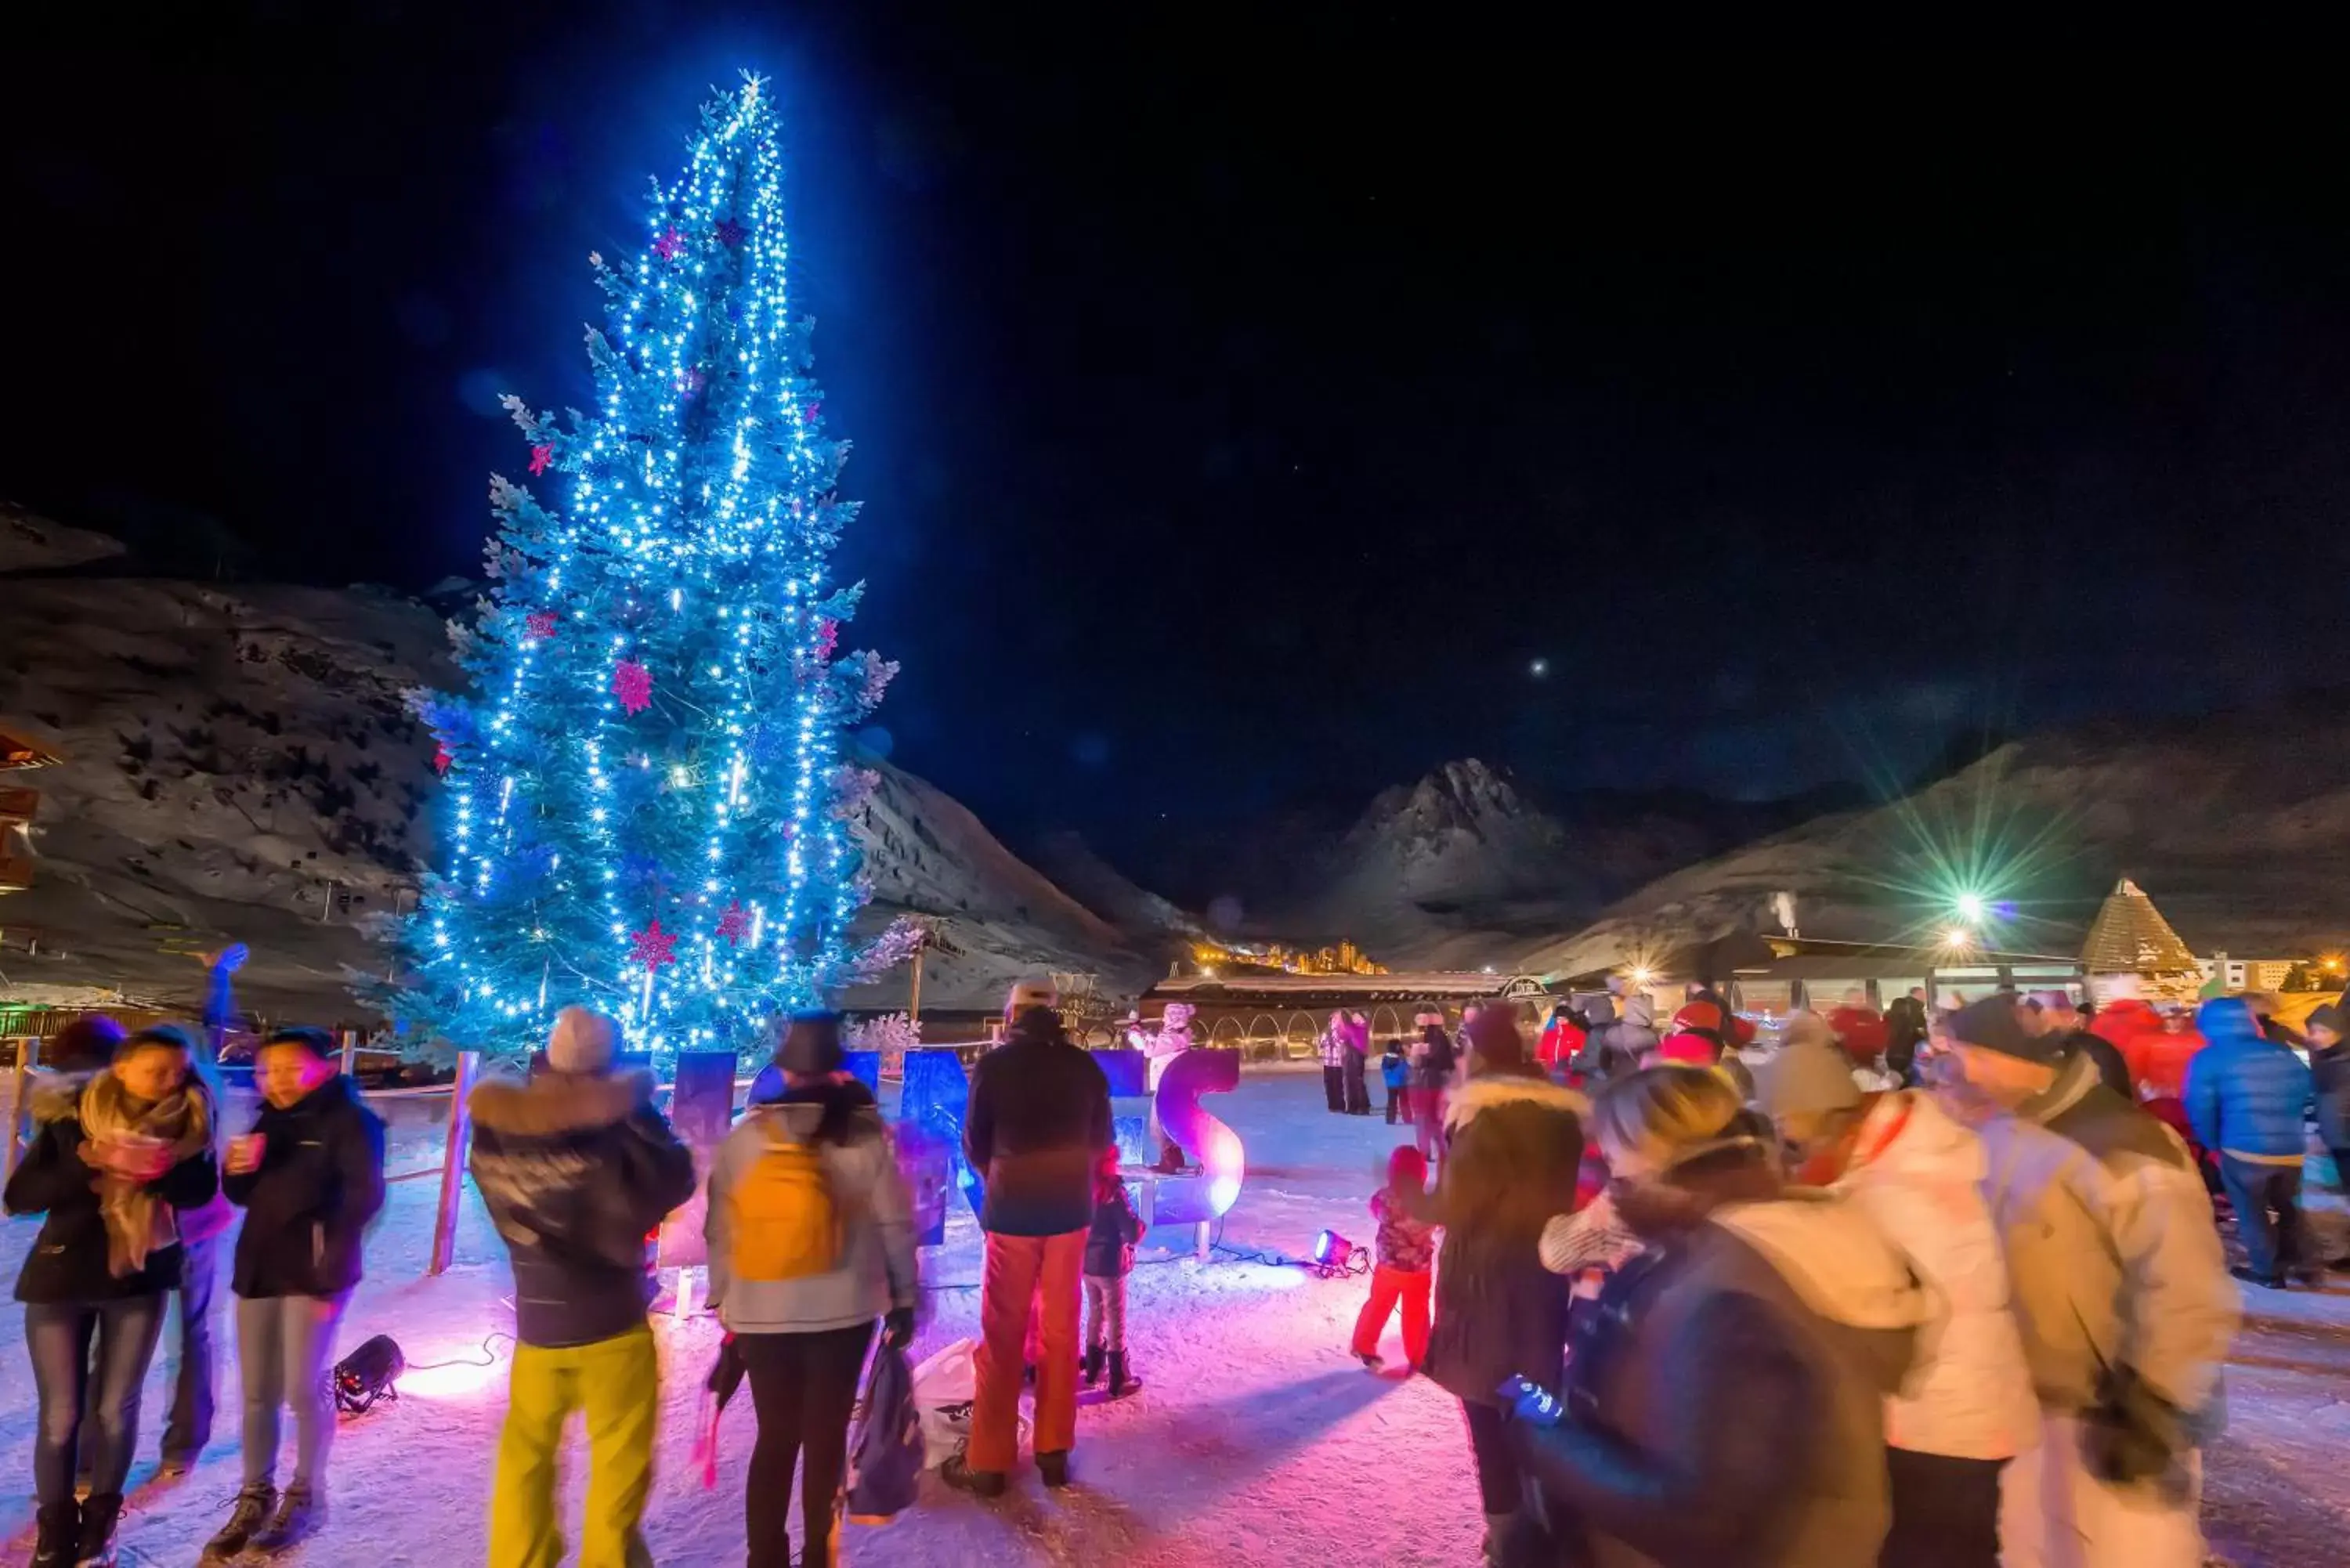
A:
[(1406, 1254)]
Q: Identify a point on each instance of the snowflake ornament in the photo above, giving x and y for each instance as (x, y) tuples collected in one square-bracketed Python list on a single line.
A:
[(540, 456), (670, 244), (828, 637), (735, 924), (443, 757), (540, 624), (632, 683), (652, 947)]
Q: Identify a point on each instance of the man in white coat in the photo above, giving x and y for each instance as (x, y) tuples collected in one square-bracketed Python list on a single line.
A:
[(1966, 1409)]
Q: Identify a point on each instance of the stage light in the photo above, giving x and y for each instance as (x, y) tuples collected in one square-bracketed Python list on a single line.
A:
[(1957, 937), (1971, 907), (1331, 1251), (367, 1375), (1641, 979)]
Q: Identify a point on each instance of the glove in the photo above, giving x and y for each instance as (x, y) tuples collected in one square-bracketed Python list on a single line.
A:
[(898, 1328)]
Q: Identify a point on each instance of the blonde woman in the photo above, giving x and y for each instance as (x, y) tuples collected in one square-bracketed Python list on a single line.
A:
[(119, 1145)]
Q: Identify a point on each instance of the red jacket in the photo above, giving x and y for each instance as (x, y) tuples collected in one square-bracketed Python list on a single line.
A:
[(1696, 1050), (1560, 1040), (1862, 1030), (2157, 1062)]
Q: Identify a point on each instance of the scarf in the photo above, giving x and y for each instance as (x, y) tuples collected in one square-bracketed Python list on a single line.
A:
[(137, 1223)]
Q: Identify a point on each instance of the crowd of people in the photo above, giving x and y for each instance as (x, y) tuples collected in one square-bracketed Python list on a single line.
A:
[(1941, 1290), (1921, 1287)]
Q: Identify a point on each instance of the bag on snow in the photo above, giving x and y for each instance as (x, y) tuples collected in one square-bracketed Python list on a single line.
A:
[(945, 1384), (782, 1216), (885, 1446)]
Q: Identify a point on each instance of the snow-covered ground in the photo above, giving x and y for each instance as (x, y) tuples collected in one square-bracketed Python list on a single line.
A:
[(1255, 1439)]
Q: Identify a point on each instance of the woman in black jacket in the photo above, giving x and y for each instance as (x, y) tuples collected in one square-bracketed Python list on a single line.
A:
[(1516, 1150), (309, 1177), (117, 1149)]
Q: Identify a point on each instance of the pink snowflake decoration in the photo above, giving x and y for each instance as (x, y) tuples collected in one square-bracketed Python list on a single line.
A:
[(540, 456), (632, 683), (735, 923), (652, 947), (442, 757), (828, 637), (540, 624), (668, 244)]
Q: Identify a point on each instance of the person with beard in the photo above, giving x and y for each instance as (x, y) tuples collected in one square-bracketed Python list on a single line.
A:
[(2055, 1013), (804, 1333), (1516, 1144), (1748, 1298)]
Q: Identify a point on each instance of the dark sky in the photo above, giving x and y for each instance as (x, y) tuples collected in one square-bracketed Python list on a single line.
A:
[(1239, 416)]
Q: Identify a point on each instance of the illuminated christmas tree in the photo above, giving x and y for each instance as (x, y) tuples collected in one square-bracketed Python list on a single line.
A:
[(647, 808)]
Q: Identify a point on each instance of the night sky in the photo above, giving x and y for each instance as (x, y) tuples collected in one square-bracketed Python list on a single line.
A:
[(1241, 416)]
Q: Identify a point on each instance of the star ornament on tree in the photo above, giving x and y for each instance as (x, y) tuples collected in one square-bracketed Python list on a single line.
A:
[(652, 947), (670, 244), (735, 924), (540, 456), (632, 683)]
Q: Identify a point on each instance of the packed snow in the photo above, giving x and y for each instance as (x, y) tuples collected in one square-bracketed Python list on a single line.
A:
[(1254, 1439)]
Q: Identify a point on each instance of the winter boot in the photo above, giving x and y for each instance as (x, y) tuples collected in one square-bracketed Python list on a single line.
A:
[(99, 1517), (957, 1473), (1054, 1468), (301, 1514), (253, 1506), (1093, 1368), (1120, 1384), (60, 1533)]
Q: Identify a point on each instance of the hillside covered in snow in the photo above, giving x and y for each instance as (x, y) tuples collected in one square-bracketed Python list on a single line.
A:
[(2237, 825), (240, 764)]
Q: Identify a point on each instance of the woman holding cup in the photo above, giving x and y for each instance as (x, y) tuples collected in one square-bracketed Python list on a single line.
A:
[(119, 1145), (309, 1176)]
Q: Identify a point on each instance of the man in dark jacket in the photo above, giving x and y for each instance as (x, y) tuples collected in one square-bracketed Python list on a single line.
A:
[(1038, 1120), (575, 1165), (2329, 1067), (2054, 1015), (1904, 1031), (2245, 1095)]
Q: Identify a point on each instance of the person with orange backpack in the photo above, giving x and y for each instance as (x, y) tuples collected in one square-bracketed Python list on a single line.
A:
[(574, 1165), (811, 1234)]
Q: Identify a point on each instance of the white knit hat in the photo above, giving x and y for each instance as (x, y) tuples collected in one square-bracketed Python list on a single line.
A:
[(1028, 993), (583, 1041)]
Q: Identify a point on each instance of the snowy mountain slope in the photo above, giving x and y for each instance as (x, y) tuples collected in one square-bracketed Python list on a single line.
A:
[(30, 542), (2238, 825), (238, 756), (1108, 892)]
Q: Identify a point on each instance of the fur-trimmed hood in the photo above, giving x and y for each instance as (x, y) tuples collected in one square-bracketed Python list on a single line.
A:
[(558, 1105), (1492, 1091), (57, 1095)]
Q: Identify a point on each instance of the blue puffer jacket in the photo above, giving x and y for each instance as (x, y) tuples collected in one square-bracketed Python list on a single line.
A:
[(2245, 1095)]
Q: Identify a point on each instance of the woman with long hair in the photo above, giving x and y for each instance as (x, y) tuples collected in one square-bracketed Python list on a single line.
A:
[(1516, 1145), (119, 1146)]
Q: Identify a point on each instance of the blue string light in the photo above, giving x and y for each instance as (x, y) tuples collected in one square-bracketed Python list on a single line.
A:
[(690, 551)]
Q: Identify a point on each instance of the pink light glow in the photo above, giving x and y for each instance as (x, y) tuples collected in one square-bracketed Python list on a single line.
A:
[(461, 1380)]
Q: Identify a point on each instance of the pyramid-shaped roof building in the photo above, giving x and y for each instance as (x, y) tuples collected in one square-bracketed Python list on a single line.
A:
[(2129, 936)]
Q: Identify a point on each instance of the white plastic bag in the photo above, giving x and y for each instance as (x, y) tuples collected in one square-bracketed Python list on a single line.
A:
[(945, 1384)]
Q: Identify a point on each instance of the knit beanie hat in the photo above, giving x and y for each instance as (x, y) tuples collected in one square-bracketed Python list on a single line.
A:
[(1991, 1025), (2325, 1016), (315, 1040), (86, 1044), (1028, 993), (1493, 1037), (811, 1047), (1809, 1076), (583, 1041)]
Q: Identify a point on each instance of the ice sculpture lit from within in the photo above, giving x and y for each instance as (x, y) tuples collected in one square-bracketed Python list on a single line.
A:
[(936, 1095), (1210, 1143)]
